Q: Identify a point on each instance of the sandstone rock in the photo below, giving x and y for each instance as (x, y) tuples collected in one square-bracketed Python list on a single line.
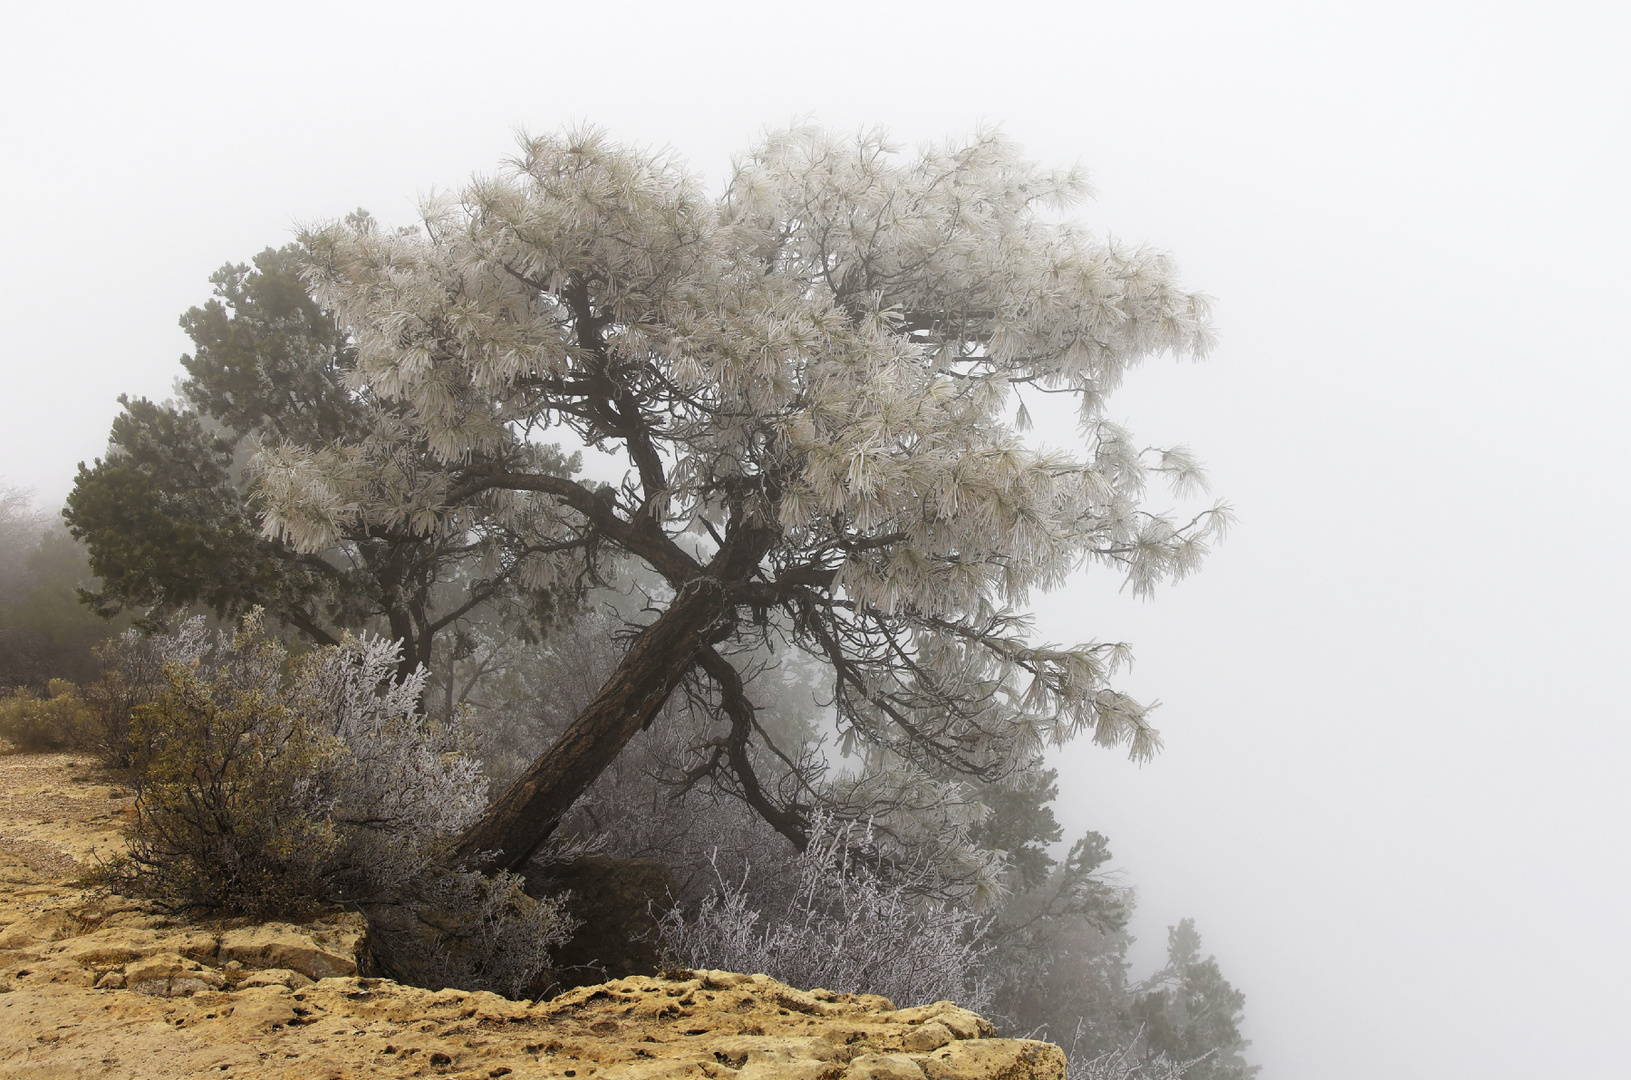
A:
[(107, 947), (451, 995), (262, 1007), (171, 975), (45, 971), (930, 1036), (292, 980), (883, 1067), (999, 1059), (316, 952), (485, 1005), (105, 951), (800, 1001), (710, 1024), (959, 1021), (47, 926)]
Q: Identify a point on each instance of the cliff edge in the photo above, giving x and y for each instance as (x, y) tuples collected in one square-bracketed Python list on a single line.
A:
[(105, 987)]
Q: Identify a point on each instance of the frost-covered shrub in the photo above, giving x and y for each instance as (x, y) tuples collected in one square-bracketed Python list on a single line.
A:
[(470, 931), (398, 780), (132, 674), (1129, 1062), (265, 786), (827, 919), (268, 787)]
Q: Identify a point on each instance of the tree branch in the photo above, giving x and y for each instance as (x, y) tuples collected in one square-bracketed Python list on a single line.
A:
[(309, 627), (733, 696), (642, 537)]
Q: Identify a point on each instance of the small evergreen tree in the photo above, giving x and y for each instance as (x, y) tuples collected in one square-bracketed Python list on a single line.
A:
[(1190, 1013), (169, 515)]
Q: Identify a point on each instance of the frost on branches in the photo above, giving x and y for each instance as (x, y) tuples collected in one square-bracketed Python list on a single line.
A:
[(829, 920), (818, 383), (266, 786)]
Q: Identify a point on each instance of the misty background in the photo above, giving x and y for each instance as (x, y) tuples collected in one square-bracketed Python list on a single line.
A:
[(1393, 791)]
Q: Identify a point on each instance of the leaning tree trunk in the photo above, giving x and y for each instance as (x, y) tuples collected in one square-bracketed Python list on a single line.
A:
[(513, 827)]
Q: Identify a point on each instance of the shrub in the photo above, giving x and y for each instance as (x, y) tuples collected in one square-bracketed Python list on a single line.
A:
[(1128, 1062), (265, 786), (33, 723), (133, 674), (269, 787), (470, 931), (227, 814), (831, 920)]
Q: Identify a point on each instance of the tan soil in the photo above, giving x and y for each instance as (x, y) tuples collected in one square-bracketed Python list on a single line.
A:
[(96, 986)]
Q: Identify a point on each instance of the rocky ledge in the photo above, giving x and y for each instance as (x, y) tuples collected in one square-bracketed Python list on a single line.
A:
[(100, 987)]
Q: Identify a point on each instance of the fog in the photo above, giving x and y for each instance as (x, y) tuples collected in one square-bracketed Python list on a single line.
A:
[(1394, 707)]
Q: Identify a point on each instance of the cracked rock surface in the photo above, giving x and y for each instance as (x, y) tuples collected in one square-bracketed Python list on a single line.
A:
[(105, 987)]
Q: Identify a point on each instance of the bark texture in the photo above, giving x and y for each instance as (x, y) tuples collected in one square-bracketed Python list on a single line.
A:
[(506, 836)]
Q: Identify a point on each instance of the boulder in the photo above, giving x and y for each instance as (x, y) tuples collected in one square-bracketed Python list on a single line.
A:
[(317, 951), (171, 975), (291, 980)]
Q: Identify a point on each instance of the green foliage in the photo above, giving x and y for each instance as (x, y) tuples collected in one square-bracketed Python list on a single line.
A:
[(169, 528), (1021, 823), (30, 722), (1058, 961), (169, 512), (1058, 966), (1189, 1012), (266, 358)]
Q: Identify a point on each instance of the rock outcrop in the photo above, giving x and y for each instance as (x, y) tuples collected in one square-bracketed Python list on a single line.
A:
[(105, 987)]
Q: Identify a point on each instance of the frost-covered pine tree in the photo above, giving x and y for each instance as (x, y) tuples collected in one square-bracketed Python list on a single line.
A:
[(818, 382)]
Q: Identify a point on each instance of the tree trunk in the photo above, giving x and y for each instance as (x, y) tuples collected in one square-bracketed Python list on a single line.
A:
[(402, 630), (513, 827)]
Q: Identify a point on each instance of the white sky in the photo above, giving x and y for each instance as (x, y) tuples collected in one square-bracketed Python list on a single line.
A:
[(1394, 791)]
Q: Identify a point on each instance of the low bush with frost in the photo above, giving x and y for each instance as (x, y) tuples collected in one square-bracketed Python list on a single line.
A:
[(265, 785), (1131, 1061), (471, 931), (133, 675), (829, 919), (269, 786)]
